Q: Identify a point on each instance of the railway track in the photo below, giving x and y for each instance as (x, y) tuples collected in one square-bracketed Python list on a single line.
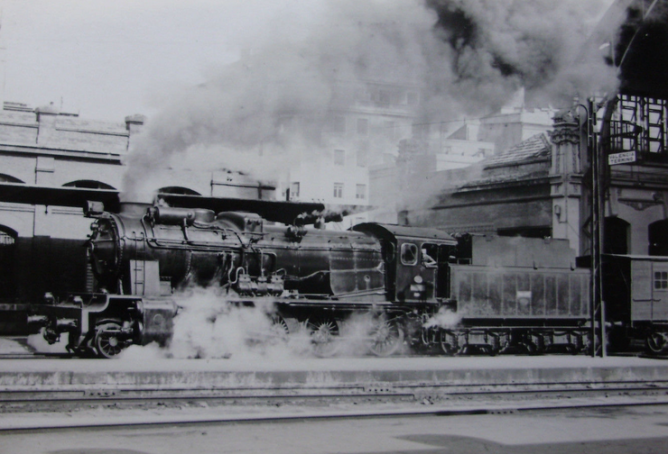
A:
[(58, 400), (43, 410)]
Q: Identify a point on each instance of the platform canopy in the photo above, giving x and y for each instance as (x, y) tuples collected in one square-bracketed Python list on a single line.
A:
[(271, 210)]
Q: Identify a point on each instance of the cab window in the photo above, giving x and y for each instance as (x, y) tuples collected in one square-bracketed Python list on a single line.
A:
[(409, 254), (429, 254)]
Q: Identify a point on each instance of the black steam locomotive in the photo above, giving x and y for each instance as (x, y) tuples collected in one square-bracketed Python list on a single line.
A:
[(420, 287)]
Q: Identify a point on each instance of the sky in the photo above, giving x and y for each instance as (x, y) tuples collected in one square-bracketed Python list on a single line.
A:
[(108, 59)]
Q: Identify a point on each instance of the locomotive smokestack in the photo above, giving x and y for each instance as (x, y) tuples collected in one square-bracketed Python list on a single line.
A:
[(135, 204)]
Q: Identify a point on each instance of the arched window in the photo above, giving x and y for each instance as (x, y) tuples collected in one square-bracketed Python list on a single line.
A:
[(179, 190), (4, 178), (88, 184), (658, 237), (616, 236)]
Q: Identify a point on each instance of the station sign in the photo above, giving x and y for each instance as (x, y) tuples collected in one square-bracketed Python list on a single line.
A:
[(622, 158)]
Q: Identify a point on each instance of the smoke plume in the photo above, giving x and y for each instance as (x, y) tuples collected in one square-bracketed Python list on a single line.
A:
[(496, 46), (268, 110)]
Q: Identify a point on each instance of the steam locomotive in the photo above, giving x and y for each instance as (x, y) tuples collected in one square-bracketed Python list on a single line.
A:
[(419, 287)]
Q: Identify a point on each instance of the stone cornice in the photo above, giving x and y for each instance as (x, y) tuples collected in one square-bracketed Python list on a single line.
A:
[(507, 201), (73, 154), (505, 183)]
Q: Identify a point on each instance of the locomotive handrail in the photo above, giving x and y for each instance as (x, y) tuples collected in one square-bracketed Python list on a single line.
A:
[(312, 275), (177, 244), (377, 269), (361, 293)]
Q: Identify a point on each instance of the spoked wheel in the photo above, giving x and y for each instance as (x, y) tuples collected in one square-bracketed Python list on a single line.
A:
[(450, 344), (108, 341), (324, 336), (385, 337), (279, 328), (657, 342)]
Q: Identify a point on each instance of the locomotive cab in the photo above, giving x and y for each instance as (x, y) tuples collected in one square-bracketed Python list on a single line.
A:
[(416, 260)]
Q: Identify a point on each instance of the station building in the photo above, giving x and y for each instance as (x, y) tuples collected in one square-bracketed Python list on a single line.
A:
[(540, 188)]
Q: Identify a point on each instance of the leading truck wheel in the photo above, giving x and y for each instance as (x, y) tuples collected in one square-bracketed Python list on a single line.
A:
[(108, 341)]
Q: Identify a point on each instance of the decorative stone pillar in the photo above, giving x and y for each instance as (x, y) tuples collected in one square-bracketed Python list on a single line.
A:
[(568, 158)]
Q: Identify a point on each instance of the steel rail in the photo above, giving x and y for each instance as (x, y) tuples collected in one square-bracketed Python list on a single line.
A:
[(156, 421), (63, 397), (97, 391)]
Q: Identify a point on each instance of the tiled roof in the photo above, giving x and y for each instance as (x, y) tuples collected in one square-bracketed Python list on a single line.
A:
[(534, 147)]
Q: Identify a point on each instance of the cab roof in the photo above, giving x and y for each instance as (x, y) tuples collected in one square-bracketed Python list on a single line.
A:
[(393, 231)]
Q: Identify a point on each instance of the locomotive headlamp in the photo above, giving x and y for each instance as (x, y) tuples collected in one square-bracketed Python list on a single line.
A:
[(418, 287)]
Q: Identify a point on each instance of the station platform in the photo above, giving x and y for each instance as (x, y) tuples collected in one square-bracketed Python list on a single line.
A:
[(267, 373), (254, 385)]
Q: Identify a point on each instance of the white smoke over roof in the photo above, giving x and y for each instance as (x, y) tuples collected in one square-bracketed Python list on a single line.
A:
[(466, 57)]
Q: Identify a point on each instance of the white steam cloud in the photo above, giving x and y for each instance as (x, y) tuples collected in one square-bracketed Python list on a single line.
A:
[(211, 325), (466, 57), (444, 318)]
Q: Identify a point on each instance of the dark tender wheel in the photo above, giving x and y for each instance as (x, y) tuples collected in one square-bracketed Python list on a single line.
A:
[(657, 342), (502, 343), (324, 337), (498, 343), (450, 344), (108, 341), (535, 345), (386, 337)]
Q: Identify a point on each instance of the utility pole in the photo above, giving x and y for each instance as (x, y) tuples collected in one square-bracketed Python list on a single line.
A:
[(598, 145)]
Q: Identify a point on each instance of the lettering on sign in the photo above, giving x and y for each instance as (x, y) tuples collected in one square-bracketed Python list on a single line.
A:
[(622, 158)]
